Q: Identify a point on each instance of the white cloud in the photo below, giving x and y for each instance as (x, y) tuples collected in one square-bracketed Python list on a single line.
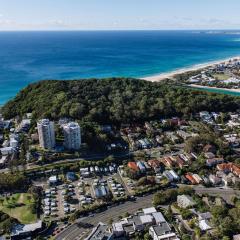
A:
[(172, 22)]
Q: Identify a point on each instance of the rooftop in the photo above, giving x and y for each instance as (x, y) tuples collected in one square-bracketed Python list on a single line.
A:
[(100, 233), (149, 210), (21, 228), (162, 229)]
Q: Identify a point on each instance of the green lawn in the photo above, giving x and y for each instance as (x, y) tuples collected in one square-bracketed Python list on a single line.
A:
[(221, 77), (19, 206)]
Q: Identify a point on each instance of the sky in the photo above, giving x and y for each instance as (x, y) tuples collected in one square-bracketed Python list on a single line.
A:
[(119, 14)]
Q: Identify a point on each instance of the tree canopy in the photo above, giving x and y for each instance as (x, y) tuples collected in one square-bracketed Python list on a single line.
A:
[(115, 100)]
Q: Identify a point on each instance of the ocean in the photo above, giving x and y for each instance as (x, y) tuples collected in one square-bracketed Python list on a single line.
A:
[(27, 57)]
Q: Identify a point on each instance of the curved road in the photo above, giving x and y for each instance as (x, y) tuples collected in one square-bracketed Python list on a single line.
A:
[(78, 230), (83, 226)]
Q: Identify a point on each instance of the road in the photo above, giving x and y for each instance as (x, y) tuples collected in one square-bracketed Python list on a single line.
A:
[(77, 230), (34, 167), (83, 226), (225, 193)]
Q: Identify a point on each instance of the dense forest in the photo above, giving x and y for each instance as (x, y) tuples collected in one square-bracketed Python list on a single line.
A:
[(115, 100)]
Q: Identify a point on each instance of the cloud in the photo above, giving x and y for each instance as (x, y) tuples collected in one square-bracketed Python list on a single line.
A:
[(172, 22)]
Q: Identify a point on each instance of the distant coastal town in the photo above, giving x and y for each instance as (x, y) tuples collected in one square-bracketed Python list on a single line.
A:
[(223, 75)]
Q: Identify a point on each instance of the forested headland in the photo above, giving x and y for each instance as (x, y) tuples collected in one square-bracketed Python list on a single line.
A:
[(114, 100)]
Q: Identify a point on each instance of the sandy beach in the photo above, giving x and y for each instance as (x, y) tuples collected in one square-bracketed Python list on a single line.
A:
[(163, 76)]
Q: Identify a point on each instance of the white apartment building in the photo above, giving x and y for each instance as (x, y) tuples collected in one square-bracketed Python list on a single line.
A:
[(72, 136), (46, 134)]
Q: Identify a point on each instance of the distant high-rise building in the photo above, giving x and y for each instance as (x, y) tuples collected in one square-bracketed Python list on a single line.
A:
[(46, 134), (72, 136)]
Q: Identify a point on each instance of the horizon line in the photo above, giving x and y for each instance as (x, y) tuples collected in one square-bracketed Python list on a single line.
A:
[(105, 30)]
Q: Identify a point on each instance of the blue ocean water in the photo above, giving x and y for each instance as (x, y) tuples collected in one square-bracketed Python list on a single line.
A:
[(26, 57)]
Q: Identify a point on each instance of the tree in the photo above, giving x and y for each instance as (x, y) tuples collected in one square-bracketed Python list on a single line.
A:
[(114, 100), (197, 232), (110, 221), (165, 197), (169, 214), (29, 197), (185, 190), (147, 236), (226, 238), (186, 237), (219, 212), (126, 214), (227, 226), (16, 181), (7, 225), (7, 199)]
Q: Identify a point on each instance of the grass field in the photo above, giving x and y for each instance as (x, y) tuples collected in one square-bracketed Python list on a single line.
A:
[(221, 77), (19, 206)]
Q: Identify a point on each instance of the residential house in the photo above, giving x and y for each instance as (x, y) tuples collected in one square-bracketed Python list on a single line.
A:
[(158, 217), (133, 166), (204, 221), (236, 170), (120, 228), (183, 134), (197, 178), (174, 174), (225, 167), (162, 232), (180, 162), (209, 148), (100, 232), (147, 166), (236, 237), (229, 167), (137, 222), (3, 161), (141, 166), (168, 162), (204, 216), (21, 231), (209, 155), (186, 157), (190, 178), (7, 150), (185, 201), (193, 155), (214, 179), (169, 176), (172, 136), (228, 179), (155, 164), (214, 161), (204, 225)]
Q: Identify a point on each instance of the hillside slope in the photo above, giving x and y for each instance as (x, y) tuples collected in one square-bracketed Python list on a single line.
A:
[(113, 100)]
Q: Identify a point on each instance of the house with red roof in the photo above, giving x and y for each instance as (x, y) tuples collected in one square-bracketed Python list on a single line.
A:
[(190, 178), (133, 166)]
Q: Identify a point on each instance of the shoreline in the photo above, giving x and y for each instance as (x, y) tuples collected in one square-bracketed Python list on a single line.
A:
[(237, 90), (171, 74)]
